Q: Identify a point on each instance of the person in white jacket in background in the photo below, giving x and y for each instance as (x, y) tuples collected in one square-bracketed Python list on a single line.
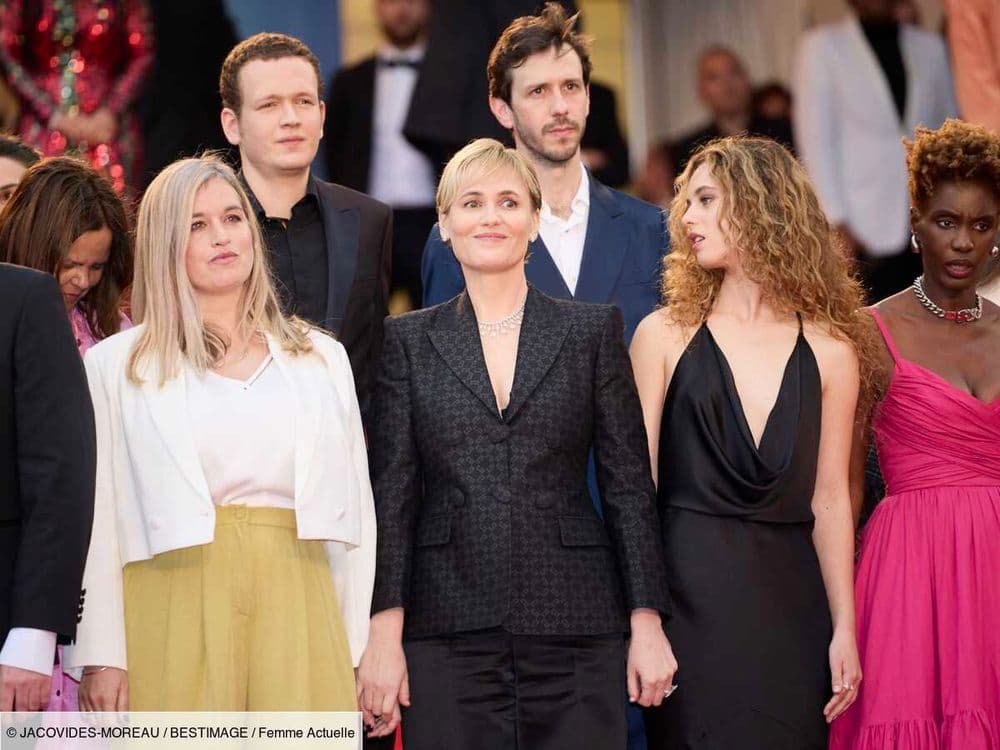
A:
[(859, 87), (232, 559)]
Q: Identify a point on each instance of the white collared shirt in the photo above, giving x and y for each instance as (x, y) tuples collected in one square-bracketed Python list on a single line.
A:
[(564, 238), (400, 175)]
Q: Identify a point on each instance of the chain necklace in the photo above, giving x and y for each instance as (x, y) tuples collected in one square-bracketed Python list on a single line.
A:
[(503, 326), (967, 315)]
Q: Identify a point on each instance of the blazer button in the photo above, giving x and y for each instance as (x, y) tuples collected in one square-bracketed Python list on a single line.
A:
[(501, 494), (543, 501), (500, 433), (457, 498)]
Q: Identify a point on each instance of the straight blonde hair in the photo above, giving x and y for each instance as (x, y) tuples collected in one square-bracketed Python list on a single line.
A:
[(163, 298), (484, 156)]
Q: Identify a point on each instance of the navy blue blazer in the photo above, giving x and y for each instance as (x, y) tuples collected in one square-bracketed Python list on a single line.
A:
[(622, 259)]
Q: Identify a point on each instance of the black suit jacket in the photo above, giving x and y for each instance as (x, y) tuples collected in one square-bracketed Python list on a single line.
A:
[(47, 458), (350, 105), (485, 520), (604, 134)]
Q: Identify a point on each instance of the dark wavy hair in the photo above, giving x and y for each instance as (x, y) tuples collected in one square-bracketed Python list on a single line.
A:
[(57, 201)]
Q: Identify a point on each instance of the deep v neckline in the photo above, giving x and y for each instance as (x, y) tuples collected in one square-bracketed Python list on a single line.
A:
[(734, 392)]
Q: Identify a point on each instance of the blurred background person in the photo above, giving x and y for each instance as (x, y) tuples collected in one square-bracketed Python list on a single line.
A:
[(749, 378), (725, 90), (66, 220), (366, 149), (603, 149), (859, 84), (77, 67), (928, 598), (450, 104), (15, 158), (974, 35), (655, 183), (179, 106), (907, 12), (772, 101), (233, 472)]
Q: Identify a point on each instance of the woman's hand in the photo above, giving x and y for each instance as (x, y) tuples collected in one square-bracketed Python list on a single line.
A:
[(383, 682), (651, 662), (104, 689), (845, 666)]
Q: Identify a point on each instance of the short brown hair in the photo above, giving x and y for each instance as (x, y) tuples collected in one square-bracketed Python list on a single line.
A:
[(956, 152), (529, 35), (263, 46), (59, 200)]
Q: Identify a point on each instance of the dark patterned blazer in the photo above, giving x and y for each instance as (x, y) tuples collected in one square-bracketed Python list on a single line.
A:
[(484, 520)]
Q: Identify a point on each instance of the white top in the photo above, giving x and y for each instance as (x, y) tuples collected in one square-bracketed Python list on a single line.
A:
[(400, 175), (564, 238), (244, 432)]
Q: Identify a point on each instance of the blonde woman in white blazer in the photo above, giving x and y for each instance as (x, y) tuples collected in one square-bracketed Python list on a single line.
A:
[(232, 558)]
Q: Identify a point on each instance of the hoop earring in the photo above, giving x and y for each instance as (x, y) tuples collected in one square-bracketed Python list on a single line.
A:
[(995, 253), (914, 242)]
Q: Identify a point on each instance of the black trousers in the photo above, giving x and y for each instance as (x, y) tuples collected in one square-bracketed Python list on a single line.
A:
[(491, 690), (883, 277), (410, 227)]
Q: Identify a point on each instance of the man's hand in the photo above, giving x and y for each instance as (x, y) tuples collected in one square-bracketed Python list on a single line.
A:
[(23, 690)]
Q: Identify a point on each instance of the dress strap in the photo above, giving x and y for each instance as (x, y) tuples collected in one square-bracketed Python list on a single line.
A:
[(885, 334)]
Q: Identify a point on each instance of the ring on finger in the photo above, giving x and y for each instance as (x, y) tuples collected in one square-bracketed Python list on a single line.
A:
[(669, 691)]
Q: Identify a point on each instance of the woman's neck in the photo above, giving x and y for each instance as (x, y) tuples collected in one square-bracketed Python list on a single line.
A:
[(494, 296), (221, 312), (742, 298)]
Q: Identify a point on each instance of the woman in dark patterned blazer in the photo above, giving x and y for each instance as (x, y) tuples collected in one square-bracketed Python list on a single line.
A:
[(502, 600)]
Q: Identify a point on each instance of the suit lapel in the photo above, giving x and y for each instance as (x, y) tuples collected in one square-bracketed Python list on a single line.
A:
[(542, 271), (542, 335), (169, 410), (869, 67), (456, 338), (604, 247), (343, 234), (307, 415), (365, 98)]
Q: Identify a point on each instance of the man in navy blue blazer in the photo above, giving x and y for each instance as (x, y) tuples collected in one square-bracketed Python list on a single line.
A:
[(595, 244)]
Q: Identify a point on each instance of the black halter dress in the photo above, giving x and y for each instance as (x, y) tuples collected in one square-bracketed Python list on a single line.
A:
[(750, 625)]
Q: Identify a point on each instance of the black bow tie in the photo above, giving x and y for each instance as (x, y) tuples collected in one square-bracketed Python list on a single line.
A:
[(399, 62)]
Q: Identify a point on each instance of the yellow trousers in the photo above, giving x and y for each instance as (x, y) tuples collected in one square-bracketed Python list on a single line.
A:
[(249, 622)]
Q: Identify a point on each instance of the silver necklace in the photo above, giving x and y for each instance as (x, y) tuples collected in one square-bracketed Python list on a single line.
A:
[(966, 315), (503, 326)]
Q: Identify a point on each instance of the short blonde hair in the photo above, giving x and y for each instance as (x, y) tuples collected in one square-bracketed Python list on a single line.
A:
[(481, 157), (163, 298)]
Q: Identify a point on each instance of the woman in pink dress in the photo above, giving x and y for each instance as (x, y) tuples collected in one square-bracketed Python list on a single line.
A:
[(66, 219), (928, 576)]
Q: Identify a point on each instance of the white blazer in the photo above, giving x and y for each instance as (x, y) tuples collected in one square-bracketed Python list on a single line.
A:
[(152, 495), (849, 134)]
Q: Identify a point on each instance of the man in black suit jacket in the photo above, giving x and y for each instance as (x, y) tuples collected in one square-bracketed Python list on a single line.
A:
[(47, 465), (330, 247), (365, 146)]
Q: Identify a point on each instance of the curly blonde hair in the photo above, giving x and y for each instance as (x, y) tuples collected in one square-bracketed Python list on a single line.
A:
[(786, 246), (958, 151)]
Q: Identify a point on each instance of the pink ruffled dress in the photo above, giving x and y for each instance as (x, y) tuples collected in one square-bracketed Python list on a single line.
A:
[(928, 577)]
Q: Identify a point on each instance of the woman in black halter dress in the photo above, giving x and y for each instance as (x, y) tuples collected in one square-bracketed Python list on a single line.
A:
[(752, 454)]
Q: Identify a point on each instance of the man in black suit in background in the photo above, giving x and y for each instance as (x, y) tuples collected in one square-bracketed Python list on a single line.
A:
[(47, 466), (329, 246), (365, 146)]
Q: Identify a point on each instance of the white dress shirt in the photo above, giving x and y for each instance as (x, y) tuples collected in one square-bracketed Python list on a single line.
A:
[(228, 418), (400, 175), (564, 238), (29, 648)]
